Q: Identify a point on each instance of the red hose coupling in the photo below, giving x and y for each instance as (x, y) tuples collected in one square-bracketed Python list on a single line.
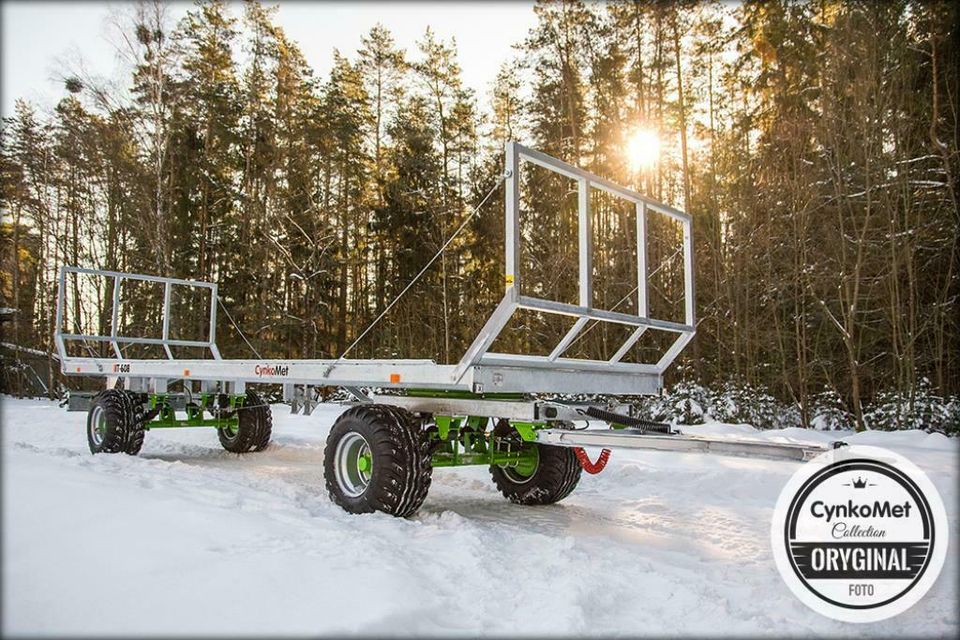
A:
[(592, 467)]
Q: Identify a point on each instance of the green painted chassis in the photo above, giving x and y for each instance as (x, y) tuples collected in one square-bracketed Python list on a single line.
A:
[(165, 417), (458, 441)]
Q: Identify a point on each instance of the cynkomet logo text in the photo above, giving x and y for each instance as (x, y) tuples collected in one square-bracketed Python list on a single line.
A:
[(270, 370), (850, 510)]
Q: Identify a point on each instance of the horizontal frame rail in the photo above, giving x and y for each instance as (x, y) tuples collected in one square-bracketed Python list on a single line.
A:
[(139, 276), (135, 340), (544, 362), (576, 173), (562, 308)]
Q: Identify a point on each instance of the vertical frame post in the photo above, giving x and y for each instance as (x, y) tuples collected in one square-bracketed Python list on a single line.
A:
[(166, 319), (115, 316), (642, 305), (61, 301), (512, 216), (585, 242), (214, 296), (688, 289)]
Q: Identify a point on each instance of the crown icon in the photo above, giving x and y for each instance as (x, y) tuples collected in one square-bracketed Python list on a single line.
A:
[(859, 483)]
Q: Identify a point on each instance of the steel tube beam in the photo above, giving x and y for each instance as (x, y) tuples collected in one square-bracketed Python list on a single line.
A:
[(688, 286), (642, 308), (562, 308), (61, 303), (626, 439), (568, 339), (674, 350), (576, 173), (544, 362), (138, 276), (214, 296), (133, 340), (114, 316), (628, 344), (512, 216), (585, 243), (166, 319), (491, 329)]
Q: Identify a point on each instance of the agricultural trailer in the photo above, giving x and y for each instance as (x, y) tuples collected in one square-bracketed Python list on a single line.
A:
[(510, 412)]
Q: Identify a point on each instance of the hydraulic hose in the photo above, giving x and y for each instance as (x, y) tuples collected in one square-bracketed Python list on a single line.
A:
[(592, 467)]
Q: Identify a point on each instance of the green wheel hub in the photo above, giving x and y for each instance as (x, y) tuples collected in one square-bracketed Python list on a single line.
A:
[(525, 467), (365, 463)]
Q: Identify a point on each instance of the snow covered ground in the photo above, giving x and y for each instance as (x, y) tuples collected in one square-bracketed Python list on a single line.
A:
[(187, 538)]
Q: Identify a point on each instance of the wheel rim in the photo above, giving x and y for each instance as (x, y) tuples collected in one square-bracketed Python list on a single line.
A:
[(231, 430), (98, 425), (524, 470), (353, 464)]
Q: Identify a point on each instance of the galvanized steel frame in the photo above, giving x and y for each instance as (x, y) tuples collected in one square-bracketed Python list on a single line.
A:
[(115, 339), (479, 370), (478, 354)]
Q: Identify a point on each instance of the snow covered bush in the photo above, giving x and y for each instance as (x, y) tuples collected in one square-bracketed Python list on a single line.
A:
[(741, 402), (690, 403), (887, 412), (684, 403), (953, 416), (738, 402), (653, 408), (829, 412), (927, 410), (788, 416)]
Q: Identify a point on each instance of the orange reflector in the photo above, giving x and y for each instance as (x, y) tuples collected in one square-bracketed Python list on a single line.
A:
[(78, 369), (186, 372), (394, 378)]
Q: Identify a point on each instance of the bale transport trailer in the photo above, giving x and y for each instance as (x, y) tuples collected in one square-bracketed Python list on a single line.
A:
[(381, 452)]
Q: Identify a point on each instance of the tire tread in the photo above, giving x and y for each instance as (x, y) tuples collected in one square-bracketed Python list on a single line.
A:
[(555, 478), (402, 464)]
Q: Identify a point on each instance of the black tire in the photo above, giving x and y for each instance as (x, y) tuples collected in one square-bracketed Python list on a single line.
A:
[(254, 428), (555, 477), (262, 439), (399, 465), (135, 431), (110, 421)]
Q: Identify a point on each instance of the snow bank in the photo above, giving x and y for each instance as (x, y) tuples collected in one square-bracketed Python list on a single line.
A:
[(188, 539)]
